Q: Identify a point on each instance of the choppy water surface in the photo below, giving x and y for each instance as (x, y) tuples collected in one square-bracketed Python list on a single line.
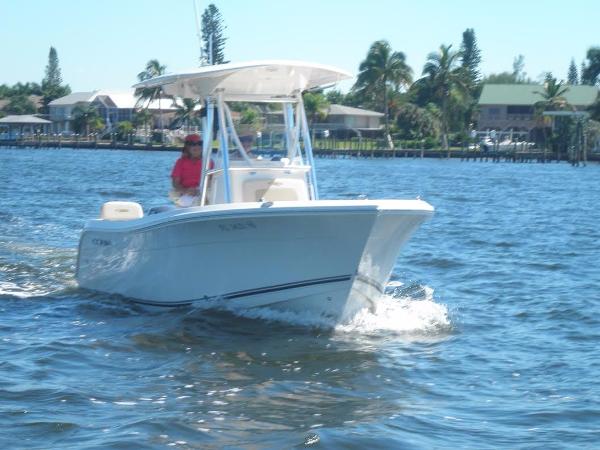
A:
[(488, 337)]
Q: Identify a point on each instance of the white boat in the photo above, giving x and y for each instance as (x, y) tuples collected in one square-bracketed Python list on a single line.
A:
[(507, 145), (258, 235)]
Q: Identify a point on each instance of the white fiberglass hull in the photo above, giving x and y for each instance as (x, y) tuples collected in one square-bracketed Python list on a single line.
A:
[(328, 258)]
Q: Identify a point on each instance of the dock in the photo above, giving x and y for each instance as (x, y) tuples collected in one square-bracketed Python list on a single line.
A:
[(523, 155)]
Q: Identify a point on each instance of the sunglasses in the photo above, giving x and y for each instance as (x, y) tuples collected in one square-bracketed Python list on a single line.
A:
[(194, 144)]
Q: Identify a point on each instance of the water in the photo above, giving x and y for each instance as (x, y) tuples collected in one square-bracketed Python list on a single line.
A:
[(488, 337)]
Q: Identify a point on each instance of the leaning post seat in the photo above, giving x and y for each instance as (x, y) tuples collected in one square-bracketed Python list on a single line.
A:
[(258, 184), (121, 211)]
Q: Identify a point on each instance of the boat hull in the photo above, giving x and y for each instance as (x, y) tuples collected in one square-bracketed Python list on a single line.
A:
[(329, 258)]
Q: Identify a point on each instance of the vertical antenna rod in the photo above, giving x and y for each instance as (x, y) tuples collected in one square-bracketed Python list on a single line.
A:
[(199, 33)]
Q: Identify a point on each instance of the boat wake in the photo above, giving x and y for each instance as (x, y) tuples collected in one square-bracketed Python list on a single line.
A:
[(32, 270)]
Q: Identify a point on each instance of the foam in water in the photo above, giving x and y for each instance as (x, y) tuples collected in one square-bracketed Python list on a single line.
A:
[(393, 313), (403, 315), (34, 270), (14, 290)]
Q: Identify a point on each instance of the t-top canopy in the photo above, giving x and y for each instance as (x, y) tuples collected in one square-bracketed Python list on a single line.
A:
[(255, 81)]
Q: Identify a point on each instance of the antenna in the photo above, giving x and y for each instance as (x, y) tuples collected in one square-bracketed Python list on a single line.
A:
[(199, 34)]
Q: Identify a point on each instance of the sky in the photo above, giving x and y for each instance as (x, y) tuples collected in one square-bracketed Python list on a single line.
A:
[(104, 45)]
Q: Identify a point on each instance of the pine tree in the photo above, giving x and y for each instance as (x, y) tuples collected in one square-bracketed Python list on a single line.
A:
[(591, 73), (573, 77), (52, 87), (519, 69), (212, 30), (53, 76), (471, 58)]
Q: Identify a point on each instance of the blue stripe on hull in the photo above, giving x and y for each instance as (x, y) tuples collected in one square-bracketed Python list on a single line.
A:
[(250, 292)]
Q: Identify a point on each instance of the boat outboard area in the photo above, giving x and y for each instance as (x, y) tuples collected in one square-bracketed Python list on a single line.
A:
[(257, 227)]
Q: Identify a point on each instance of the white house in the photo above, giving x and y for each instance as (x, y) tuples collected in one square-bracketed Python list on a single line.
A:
[(342, 120), (347, 117), (112, 105)]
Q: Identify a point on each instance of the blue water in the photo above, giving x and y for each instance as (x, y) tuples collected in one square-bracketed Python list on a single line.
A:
[(489, 336)]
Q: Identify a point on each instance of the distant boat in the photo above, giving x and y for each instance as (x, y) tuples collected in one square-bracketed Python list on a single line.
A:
[(506, 145), (258, 235)]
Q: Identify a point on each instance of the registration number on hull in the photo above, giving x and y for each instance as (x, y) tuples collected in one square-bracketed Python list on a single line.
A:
[(237, 226)]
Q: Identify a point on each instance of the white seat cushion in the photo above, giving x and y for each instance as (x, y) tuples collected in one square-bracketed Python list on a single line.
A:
[(121, 211)]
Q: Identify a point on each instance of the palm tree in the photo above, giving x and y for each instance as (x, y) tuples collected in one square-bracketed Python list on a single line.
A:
[(552, 100), (124, 130), (316, 106), (148, 95), (142, 118), (446, 80), (381, 69), (86, 118), (553, 95), (186, 112)]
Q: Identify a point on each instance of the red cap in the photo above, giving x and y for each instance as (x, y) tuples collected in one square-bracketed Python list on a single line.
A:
[(192, 138)]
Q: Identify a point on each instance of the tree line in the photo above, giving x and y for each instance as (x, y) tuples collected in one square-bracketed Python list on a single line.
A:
[(186, 111), (51, 87), (438, 106), (442, 101)]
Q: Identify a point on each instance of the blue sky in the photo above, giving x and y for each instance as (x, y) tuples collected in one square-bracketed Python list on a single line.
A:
[(105, 44)]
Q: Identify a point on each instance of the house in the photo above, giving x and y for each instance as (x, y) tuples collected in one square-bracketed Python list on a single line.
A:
[(350, 118), (112, 106), (511, 107), (13, 127), (60, 110), (341, 120)]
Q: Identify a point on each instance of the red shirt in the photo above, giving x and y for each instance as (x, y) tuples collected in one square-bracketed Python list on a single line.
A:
[(188, 171)]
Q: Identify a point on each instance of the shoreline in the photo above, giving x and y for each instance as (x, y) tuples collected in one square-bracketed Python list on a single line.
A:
[(457, 153)]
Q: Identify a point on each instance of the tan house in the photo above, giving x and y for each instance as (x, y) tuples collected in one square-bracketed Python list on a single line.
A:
[(348, 117), (511, 107), (341, 119)]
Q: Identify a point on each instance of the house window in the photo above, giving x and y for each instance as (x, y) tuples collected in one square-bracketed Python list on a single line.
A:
[(124, 114), (519, 109)]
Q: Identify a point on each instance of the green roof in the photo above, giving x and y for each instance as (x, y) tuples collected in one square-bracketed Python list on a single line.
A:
[(528, 94)]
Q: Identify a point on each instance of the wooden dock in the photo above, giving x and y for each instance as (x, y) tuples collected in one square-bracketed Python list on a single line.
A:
[(520, 156), (515, 156), (85, 144)]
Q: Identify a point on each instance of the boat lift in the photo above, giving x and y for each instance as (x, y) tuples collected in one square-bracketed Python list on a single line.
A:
[(578, 148)]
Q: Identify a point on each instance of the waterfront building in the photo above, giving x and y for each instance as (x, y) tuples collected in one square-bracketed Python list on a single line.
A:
[(17, 126), (61, 110), (348, 120), (511, 107), (112, 106), (341, 121)]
